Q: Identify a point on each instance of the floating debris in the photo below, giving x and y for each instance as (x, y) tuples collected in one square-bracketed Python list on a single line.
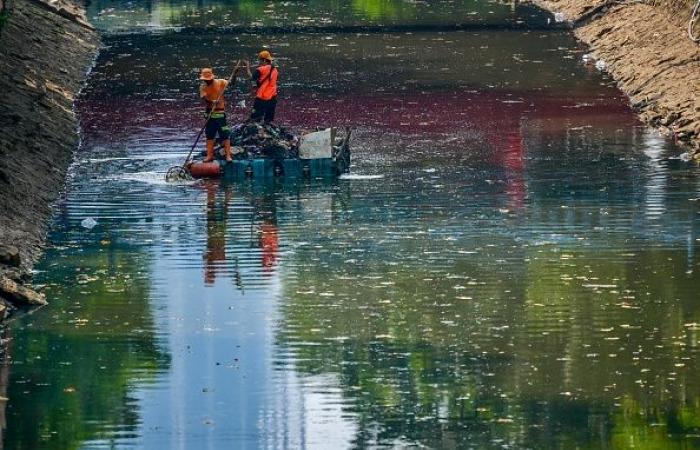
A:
[(88, 223), (252, 140)]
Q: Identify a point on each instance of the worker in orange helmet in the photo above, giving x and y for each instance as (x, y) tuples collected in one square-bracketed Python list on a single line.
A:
[(211, 91), (264, 79)]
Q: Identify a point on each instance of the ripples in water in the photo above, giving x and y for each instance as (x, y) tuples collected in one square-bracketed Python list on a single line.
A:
[(511, 262)]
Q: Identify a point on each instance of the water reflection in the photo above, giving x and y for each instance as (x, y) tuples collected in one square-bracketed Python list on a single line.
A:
[(484, 337), (73, 370), (269, 243), (518, 269), (215, 254), (4, 380), (312, 16), (376, 312), (262, 233)]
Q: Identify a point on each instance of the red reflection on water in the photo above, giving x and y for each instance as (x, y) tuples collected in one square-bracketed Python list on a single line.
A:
[(269, 243), (409, 113), (501, 123), (510, 155), (514, 162), (497, 118)]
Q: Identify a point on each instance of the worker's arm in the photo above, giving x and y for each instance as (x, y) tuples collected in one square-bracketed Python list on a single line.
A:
[(236, 70), (224, 88), (255, 77), (203, 95), (252, 76), (246, 66)]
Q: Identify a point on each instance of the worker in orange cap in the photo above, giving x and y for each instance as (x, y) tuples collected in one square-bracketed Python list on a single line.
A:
[(264, 79), (211, 93)]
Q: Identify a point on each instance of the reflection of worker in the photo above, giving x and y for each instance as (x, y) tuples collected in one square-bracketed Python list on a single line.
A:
[(265, 79), (215, 254), (268, 238), (210, 90), (269, 243)]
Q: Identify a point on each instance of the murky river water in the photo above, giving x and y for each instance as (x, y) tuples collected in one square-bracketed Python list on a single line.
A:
[(511, 263)]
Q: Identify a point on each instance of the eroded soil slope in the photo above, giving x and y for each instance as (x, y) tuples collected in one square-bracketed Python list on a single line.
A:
[(646, 49), (46, 49)]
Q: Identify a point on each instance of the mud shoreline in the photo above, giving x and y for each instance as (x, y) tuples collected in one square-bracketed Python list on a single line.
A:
[(646, 49), (39, 79)]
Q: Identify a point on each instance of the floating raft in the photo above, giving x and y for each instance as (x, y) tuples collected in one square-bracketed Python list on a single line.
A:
[(319, 157)]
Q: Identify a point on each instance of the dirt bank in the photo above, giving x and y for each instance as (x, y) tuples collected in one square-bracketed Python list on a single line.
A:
[(46, 48), (645, 47)]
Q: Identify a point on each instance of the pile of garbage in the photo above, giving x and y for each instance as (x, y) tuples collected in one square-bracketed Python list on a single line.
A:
[(250, 140)]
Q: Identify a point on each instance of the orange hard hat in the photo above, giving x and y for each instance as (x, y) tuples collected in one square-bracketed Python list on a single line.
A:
[(207, 74), (266, 55)]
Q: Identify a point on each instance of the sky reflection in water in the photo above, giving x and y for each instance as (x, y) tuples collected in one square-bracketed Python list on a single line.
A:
[(521, 270)]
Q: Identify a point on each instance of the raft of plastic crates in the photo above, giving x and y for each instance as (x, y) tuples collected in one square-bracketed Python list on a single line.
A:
[(320, 154)]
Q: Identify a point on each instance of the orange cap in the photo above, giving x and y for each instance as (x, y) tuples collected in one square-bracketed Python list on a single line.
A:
[(207, 74), (265, 54)]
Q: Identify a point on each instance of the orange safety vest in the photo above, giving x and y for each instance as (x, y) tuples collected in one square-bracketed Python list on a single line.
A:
[(267, 83), (211, 92)]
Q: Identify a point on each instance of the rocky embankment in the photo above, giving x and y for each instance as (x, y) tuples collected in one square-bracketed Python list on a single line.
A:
[(646, 48), (46, 49)]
